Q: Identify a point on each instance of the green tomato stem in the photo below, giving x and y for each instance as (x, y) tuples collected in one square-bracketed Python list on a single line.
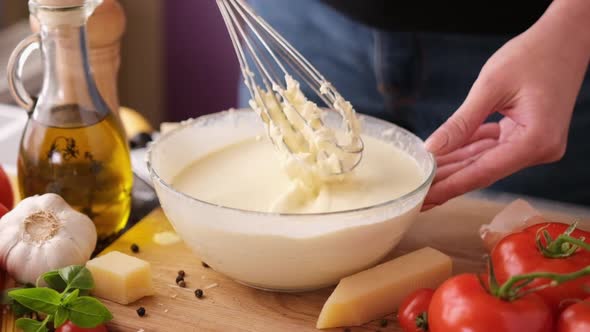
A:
[(563, 246), (422, 321), (507, 290), (572, 240)]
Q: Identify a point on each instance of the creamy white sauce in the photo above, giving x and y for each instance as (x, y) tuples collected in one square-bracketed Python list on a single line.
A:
[(248, 175)]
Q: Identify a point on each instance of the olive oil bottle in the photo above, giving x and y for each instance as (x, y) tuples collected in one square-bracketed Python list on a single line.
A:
[(73, 144), (87, 165)]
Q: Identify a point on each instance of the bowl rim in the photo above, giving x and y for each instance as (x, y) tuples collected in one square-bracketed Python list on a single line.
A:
[(191, 122)]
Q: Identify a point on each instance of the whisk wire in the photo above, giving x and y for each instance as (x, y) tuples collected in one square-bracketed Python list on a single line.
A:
[(285, 44), (267, 112), (284, 119), (267, 50)]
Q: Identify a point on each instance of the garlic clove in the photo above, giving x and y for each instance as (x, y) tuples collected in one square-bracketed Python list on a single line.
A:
[(82, 232), (53, 202), (75, 225), (70, 254), (33, 271), (8, 239), (20, 263)]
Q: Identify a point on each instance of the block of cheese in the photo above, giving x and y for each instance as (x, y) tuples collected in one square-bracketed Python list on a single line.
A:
[(120, 278), (377, 292)]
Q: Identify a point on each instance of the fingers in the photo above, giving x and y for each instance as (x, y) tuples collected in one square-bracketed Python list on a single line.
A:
[(492, 165), (459, 159), (466, 151), (456, 161), (445, 171), (486, 130), (462, 125), (484, 138)]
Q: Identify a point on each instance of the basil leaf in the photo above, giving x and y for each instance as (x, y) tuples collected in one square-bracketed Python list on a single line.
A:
[(77, 276), (71, 297), (45, 300), (30, 325), (61, 316), (88, 312), (54, 280)]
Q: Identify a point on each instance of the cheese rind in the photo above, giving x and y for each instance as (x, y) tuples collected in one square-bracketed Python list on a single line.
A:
[(376, 292), (120, 278)]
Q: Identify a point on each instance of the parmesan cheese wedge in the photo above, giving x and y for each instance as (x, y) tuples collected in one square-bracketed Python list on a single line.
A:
[(120, 278), (374, 293)]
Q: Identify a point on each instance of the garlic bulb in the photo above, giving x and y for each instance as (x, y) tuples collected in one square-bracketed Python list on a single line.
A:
[(43, 233)]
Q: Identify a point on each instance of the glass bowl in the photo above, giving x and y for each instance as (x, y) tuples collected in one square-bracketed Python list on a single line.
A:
[(273, 251)]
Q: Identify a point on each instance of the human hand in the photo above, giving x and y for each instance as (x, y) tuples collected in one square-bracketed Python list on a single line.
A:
[(533, 81)]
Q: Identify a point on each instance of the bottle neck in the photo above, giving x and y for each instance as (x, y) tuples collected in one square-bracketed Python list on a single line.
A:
[(68, 82)]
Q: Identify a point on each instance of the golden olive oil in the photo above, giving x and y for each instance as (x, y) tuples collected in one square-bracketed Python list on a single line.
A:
[(88, 165)]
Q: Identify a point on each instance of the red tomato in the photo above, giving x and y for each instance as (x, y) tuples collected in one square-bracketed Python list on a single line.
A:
[(518, 254), (462, 304), (3, 210), (6, 195), (575, 318), (414, 305), (70, 327)]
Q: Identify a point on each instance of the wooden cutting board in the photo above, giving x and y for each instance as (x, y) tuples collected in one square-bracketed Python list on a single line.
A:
[(229, 306)]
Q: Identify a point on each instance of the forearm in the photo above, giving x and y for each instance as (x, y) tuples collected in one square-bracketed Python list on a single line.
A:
[(567, 22)]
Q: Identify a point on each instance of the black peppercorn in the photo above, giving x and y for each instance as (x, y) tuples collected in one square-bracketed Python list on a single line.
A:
[(199, 293), (182, 284), (141, 311), (179, 278), (205, 265), (135, 248), (383, 323), (181, 273)]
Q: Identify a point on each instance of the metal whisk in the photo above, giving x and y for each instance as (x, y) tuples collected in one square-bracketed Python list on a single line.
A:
[(267, 60)]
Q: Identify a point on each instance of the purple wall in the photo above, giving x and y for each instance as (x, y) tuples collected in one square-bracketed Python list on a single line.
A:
[(201, 67)]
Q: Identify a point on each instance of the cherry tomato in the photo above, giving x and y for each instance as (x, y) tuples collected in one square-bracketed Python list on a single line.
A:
[(6, 195), (462, 304), (414, 305), (518, 254), (575, 318), (70, 327)]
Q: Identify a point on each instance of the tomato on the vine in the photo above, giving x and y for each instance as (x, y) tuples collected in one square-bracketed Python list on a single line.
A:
[(70, 327), (547, 247), (412, 314), (575, 318), (463, 304)]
